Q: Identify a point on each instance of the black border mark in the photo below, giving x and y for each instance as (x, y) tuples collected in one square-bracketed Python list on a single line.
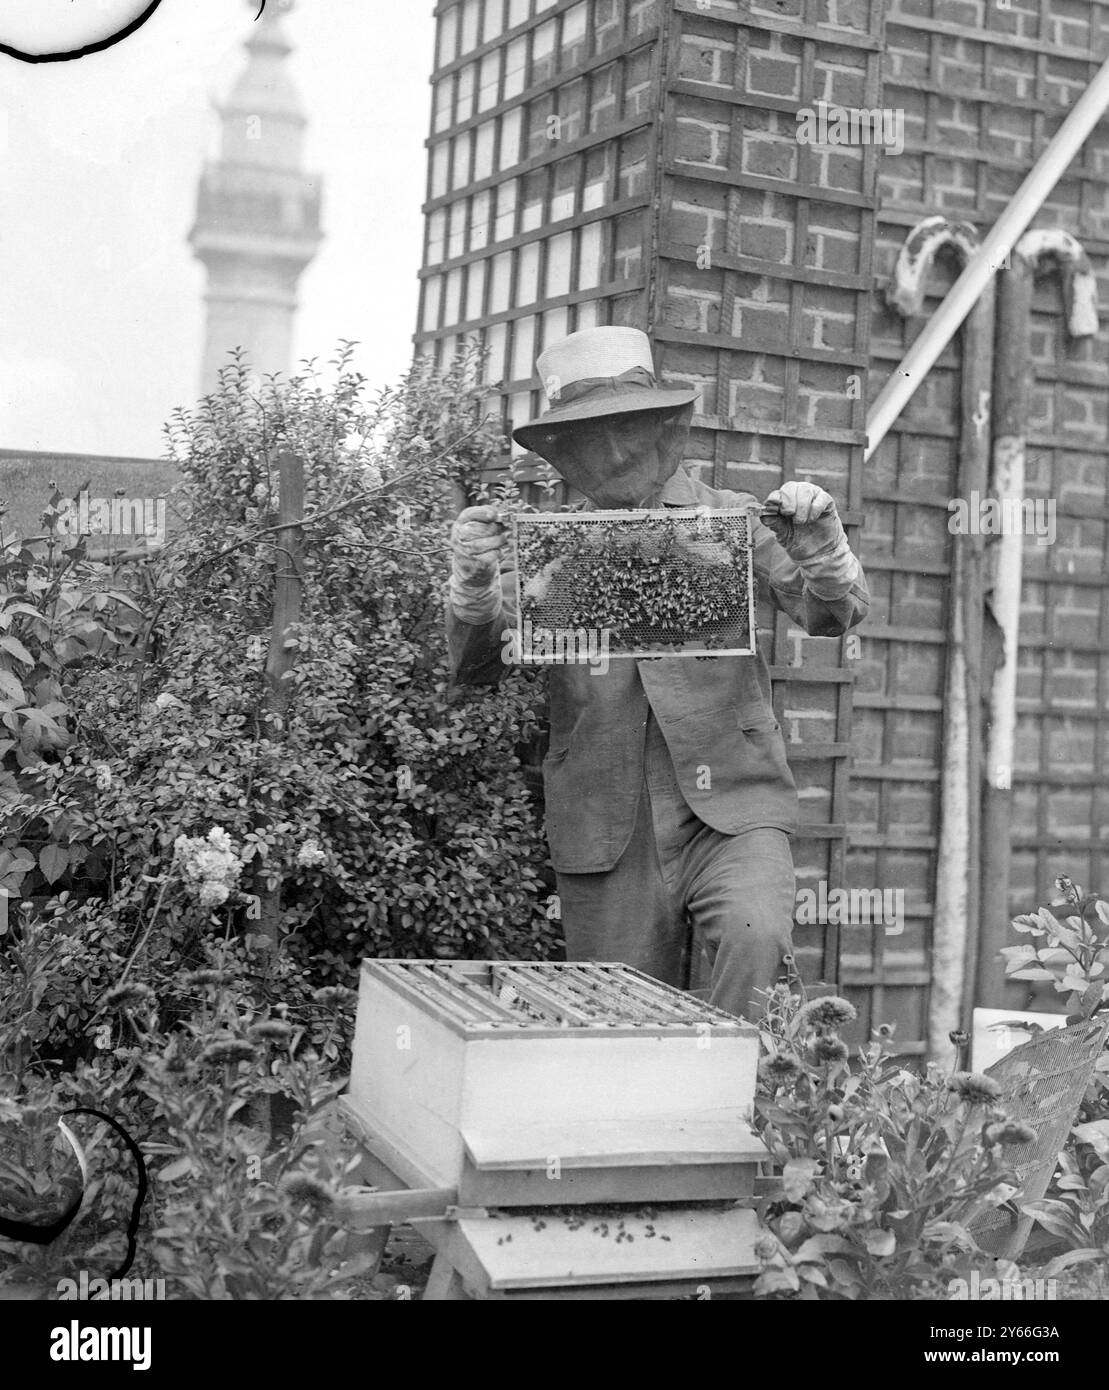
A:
[(43, 1235), (98, 47)]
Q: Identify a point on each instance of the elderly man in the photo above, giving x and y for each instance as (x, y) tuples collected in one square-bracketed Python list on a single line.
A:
[(669, 802)]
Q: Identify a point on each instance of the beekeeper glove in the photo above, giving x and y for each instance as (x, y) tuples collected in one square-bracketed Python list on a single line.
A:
[(477, 538), (804, 520)]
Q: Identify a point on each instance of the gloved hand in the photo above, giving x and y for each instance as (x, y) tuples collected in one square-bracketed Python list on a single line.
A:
[(805, 522), (477, 538)]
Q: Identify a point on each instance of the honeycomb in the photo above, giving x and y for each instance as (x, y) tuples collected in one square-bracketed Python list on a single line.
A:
[(671, 582)]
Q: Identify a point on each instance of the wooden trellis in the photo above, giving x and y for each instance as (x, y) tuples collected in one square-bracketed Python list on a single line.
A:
[(979, 104)]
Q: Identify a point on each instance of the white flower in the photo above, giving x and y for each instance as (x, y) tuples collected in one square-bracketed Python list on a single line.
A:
[(310, 854), (103, 777), (260, 493), (209, 868)]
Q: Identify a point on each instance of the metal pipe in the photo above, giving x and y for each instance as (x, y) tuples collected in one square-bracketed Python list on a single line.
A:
[(994, 252)]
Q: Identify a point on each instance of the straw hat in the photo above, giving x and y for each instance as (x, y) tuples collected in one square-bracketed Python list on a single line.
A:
[(598, 372)]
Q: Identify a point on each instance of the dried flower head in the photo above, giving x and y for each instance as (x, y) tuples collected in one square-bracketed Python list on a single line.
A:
[(1009, 1132), (827, 1048), (958, 1037), (300, 1187), (202, 979), (332, 994), (779, 1067), (829, 1012), (973, 1087), (227, 1052), (271, 1030), (129, 995)]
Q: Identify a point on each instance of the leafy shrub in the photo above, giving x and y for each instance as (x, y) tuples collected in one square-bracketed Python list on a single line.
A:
[(154, 794), (390, 812)]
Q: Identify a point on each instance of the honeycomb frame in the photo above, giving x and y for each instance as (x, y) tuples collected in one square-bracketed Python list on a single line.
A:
[(649, 591)]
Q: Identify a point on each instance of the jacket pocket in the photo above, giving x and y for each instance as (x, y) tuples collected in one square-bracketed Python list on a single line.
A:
[(757, 719)]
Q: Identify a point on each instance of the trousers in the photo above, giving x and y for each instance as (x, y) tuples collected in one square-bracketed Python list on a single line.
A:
[(680, 881)]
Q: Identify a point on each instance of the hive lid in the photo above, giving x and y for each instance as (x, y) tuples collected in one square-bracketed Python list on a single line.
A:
[(548, 998)]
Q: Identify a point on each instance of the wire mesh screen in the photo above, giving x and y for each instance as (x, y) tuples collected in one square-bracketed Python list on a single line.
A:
[(634, 584), (1042, 1083)]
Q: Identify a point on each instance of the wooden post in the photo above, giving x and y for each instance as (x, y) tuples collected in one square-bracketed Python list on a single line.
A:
[(1036, 250), (960, 815), (955, 925), (969, 595), (287, 594), (1011, 383)]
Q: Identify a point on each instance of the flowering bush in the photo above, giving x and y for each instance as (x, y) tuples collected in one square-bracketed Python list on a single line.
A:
[(150, 798), (388, 813), (883, 1170)]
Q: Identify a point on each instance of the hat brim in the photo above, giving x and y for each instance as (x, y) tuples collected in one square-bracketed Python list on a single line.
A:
[(622, 403)]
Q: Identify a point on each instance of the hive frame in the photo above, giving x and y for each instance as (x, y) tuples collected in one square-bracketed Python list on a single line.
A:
[(525, 632)]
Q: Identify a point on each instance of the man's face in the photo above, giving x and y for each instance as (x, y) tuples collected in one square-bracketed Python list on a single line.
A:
[(618, 460)]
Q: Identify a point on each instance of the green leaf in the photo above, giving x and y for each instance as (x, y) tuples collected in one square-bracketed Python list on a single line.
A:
[(1095, 1133), (12, 644), (1055, 1217), (53, 861), (880, 1243), (11, 687), (1072, 1257), (177, 1169)]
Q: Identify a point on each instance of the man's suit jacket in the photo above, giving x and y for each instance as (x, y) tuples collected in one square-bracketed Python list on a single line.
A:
[(715, 714)]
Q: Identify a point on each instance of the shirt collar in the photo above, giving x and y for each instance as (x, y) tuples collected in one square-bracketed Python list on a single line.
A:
[(678, 491)]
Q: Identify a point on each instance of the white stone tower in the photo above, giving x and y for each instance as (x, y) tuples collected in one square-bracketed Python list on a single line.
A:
[(258, 213)]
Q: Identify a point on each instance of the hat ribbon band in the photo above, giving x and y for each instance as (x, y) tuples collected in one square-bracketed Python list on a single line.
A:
[(635, 377)]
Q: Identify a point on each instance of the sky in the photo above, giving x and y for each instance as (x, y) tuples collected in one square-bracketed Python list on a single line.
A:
[(101, 312)]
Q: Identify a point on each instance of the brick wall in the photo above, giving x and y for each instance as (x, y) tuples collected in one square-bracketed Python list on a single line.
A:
[(762, 302)]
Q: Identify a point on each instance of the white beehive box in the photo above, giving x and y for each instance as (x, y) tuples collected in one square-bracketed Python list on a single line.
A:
[(551, 1082)]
